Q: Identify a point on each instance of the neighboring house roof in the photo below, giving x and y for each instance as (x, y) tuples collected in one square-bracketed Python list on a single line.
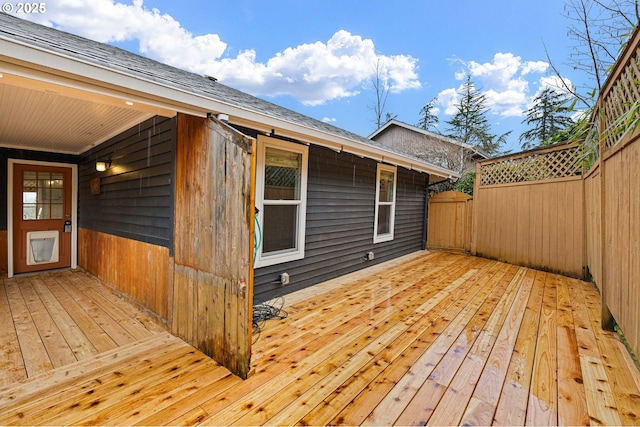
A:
[(478, 153), (47, 61)]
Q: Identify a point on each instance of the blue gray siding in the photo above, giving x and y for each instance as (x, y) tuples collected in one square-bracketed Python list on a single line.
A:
[(137, 192), (340, 212)]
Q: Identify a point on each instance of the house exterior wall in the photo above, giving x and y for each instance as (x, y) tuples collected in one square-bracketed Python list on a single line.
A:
[(137, 191), (340, 222), (125, 233)]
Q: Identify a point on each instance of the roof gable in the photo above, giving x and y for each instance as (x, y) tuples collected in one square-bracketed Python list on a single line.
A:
[(393, 123)]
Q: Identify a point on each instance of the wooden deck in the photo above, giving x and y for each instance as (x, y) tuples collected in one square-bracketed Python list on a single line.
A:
[(432, 338)]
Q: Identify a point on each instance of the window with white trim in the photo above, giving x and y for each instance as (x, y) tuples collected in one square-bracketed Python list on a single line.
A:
[(281, 197), (385, 203)]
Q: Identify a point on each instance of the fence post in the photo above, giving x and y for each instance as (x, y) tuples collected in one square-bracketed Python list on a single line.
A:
[(474, 213), (607, 321)]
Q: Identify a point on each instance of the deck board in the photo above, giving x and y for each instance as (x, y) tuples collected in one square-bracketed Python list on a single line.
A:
[(34, 353), (437, 339), (11, 361), (542, 407)]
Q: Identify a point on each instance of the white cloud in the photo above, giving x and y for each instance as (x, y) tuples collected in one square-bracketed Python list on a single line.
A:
[(329, 119), (317, 72), (559, 85), (534, 67), (159, 35), (506, 82), (313, 73), (448, 98)]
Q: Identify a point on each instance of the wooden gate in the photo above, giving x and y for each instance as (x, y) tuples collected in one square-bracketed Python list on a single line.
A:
[(213, 277), (449, 222)]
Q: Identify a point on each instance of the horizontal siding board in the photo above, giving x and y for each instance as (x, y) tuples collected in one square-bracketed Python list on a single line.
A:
[(139, 235), (340, 215), (130, 219), (346, 236), (137, 195), (130, 203)]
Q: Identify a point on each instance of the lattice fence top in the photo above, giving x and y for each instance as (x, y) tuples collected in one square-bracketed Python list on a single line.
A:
[(533, 166), (620, 102)]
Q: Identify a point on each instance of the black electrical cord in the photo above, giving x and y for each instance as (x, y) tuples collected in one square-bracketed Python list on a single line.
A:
[(266, 311)]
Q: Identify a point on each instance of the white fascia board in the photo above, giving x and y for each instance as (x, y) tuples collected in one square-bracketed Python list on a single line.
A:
[(304, 134), (383, 127), (368, 153), (397, 159), (281, 127)]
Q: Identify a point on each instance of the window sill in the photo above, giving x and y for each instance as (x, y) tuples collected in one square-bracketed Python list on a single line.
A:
[(278, 259)]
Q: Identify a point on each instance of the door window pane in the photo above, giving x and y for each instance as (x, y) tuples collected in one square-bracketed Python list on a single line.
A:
[(42, 195), (57, 211)]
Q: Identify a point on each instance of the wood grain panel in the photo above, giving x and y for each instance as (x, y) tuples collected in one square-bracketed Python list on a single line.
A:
[(213, 245), (141, 270)]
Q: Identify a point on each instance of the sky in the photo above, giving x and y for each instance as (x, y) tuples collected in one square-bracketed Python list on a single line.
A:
[(318, 57)]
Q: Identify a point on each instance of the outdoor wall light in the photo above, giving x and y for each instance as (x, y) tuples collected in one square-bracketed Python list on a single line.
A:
[(103, 165)]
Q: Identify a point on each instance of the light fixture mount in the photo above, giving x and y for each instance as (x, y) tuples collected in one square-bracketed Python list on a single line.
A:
[(103, 165)]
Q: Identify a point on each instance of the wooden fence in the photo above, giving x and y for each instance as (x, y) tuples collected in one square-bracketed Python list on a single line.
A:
[(449, 223), (618, 274), (542, 210), (528, 210)]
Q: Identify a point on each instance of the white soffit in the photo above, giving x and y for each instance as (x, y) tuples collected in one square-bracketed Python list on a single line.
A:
[(39, 120)]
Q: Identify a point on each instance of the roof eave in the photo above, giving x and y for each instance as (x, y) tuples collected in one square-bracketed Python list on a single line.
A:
[(280, 127), (30, 62)]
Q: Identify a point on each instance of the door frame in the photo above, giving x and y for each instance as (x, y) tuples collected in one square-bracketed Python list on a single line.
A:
[(74, 208)]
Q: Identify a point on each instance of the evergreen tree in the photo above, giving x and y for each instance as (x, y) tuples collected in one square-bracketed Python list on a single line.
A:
[(428, 119), (470, 123), (548, 116)]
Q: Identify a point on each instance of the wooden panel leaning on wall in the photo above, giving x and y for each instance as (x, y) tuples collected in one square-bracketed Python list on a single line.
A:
[(213, 280)]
